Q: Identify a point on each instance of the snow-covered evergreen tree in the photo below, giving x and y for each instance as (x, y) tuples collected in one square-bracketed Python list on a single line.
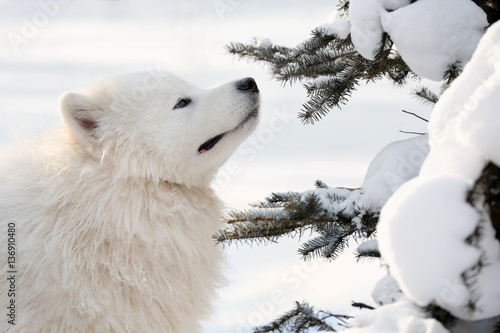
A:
[(437, 223)]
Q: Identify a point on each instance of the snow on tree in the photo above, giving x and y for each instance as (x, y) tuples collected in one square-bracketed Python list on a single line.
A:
[(464, 135), (433, 200)]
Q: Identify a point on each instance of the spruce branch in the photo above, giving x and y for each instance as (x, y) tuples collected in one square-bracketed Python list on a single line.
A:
[(331, 92), (425, 95), (387, 63), (276, 56), (367, 254), (451, 73), (485, 195), (491, 8), (320, 184), (331, 214), (496, 329), (318, 43), (368, 250), (484, 198), (328, 66), (302, 319), (343, 7), (441, 315)]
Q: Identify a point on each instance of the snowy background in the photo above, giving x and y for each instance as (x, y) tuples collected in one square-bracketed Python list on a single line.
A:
[(48, 47)]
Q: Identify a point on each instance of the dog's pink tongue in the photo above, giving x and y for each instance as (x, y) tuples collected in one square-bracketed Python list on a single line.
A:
[(203, 151)]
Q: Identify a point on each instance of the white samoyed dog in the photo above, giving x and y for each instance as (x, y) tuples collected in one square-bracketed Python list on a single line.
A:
[(108, 222)]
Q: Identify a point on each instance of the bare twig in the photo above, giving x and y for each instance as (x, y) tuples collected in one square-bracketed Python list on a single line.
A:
[(409, 132), (416, 115)]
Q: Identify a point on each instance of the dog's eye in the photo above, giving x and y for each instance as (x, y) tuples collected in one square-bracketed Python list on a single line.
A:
[(182, 103)]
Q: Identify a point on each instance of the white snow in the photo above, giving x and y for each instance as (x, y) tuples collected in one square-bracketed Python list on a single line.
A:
[(337, 200), (422, 234), (431, 35), (369, 245), (394, 165), (423, 226), (263, 42), (366, 27), (393, 4), (339, 26), (425, 219), (397, 163), (401, 316), (387, 291), (319, 81), (467, 114)]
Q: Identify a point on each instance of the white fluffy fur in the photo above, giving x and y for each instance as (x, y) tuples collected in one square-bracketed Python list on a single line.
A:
[(114, 222)]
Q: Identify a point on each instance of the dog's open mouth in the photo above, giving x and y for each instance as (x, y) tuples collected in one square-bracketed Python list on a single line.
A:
[(210, 143), (213, 141)]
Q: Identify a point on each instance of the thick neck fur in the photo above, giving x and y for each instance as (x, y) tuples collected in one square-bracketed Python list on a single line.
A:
[(147, 244)]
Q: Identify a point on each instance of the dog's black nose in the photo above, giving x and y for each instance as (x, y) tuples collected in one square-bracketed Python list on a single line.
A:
[(247, 83)]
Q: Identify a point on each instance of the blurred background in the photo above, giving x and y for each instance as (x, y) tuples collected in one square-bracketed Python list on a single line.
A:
[(48, 47)]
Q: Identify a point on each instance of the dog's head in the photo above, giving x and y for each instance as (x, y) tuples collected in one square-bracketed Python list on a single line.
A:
[(157, 126)]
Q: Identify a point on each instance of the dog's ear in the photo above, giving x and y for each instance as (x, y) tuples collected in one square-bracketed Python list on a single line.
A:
[(80, 114)]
